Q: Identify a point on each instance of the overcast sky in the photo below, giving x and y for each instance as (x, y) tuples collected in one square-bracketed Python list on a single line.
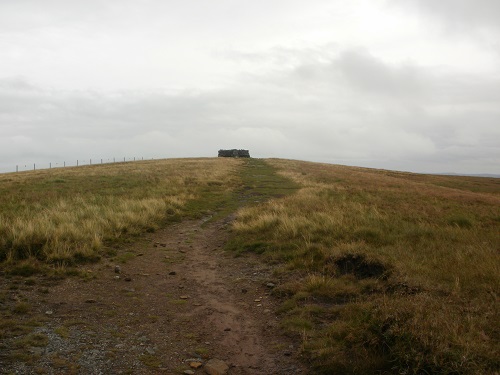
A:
[(410, 85)]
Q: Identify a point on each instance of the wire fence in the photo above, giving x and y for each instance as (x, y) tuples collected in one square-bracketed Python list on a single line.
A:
[(78, 163)]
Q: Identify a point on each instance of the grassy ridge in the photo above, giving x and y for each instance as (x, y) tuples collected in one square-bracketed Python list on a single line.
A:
[(384, 272), (381, 272), (68, 215)]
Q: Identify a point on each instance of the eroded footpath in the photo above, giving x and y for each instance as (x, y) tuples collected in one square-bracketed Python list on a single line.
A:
[(167, 304)]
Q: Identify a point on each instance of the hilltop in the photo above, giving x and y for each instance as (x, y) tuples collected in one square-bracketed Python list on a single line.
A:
[(273, 266)]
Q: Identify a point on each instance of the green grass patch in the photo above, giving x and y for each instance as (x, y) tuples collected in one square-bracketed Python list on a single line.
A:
[(150, 360), (62, 331), (460, 222), (125, 257), (21, 308), (35, 339), (25, 269), (202, 351)]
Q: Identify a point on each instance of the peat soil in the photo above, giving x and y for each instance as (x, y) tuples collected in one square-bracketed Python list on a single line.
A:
[(163, 305)]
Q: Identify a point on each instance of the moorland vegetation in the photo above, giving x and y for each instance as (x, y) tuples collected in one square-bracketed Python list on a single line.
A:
[(71, 215), (384, 272), (377, 271)]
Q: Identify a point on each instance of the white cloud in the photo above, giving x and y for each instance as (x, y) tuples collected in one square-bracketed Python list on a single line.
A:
[(364, 82)]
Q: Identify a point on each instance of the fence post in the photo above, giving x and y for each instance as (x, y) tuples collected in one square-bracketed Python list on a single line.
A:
[(90, 161), (77, 163), (50, 165), (65, 164), (124, 158), (113, 160), (17, 168), (34, 167), (101, 161)]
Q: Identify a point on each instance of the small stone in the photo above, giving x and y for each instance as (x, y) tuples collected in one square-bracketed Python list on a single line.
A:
[(195, 365), (117, 277), (188, 372), (216, 367), (267, 311), (49, 312), (117, 269), (172, 273), (257, 300), (270, 285), (184, 297)]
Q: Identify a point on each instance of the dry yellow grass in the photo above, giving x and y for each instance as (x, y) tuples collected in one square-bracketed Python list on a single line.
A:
[(393, 272), (65, 215)]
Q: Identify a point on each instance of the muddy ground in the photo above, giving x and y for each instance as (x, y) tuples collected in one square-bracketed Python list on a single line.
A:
[(163, 305)]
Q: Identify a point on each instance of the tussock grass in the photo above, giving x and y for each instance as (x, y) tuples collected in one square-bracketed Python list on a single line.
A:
[(384, 271), (67, 215)]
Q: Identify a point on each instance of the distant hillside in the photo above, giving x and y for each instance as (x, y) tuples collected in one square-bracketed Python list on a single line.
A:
[(471, 175)]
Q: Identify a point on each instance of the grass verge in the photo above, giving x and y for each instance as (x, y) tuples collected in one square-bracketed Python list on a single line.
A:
[(383, 272), (67, 216)]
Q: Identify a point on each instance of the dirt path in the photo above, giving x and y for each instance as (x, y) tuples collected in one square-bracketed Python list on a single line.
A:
[(177, 297)]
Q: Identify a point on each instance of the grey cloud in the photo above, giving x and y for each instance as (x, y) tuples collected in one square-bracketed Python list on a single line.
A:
[(459, 14), (366, 76), (349, 107), (85, 124), (368, 73), (356, 72), (296, 85), (421, 114)]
